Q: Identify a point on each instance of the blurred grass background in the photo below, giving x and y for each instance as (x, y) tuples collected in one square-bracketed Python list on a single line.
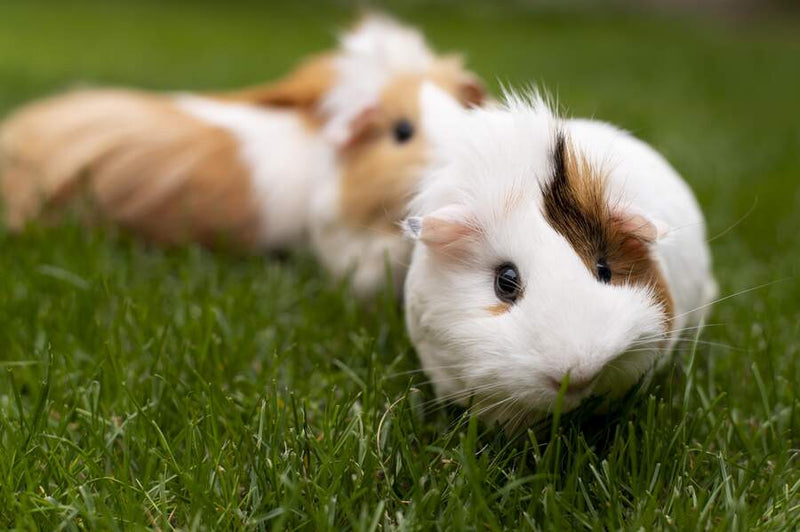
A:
[(191, 389)]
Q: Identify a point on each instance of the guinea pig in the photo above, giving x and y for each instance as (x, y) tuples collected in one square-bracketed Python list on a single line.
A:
[(242, 166), (551, 256), (355, 219)]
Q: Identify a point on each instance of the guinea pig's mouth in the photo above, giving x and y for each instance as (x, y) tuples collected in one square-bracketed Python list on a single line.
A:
[(570, 397), (593, 387), (574, 387), (613, 379)]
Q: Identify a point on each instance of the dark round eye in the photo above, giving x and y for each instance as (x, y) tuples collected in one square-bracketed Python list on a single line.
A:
[(507, 282), (403, 131), (603, 271)]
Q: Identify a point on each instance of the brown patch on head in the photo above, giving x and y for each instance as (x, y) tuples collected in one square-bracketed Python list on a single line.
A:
[(379, 172), (575, 204), (498, 308), (379, 168)]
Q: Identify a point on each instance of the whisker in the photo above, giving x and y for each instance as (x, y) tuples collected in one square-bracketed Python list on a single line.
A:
[(666, 335), (495, 405), (719, 300), (736, 223), (688, 340), (461, 394), (690, 343), (429, 368), (508, 407)]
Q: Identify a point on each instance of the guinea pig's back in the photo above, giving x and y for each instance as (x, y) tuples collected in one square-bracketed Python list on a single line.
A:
[(171, 168), (286, 157)]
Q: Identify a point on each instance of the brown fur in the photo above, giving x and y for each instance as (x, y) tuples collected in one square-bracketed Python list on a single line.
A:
[(576, 206), (378, 174), (498, 308), (140, 161), (300, 90)]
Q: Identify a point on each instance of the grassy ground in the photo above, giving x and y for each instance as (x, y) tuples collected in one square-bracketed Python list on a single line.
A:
[(182, 388)]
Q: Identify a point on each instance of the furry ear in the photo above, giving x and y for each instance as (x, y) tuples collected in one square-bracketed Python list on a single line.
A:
[(471, 91), (442, 115), (448, 230), (639, 225), (468, 88), (361, 126), (303, 87)]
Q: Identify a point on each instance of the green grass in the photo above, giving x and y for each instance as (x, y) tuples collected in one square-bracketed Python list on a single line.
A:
[(196, 390)]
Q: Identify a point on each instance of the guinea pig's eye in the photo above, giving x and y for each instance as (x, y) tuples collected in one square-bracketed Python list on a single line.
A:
[(403, 131), (603, 271), (507, 282)]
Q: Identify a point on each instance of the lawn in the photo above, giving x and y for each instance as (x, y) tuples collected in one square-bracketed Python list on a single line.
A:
[(192, 389)]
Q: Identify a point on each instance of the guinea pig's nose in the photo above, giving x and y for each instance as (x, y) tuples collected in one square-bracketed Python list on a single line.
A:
[(575, 384)]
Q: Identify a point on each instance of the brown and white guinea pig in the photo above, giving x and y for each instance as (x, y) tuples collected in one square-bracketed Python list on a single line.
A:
[(551, 256), (243, 166), (376, 117)]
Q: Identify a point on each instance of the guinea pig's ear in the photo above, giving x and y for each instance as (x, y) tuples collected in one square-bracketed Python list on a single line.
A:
[(448, 230), (442, 115), (301, 88), (469, 89), (639, 225), (361, 126)]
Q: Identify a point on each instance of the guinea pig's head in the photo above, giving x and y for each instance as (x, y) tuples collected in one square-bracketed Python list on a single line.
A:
[(529, 276), (373, 115)]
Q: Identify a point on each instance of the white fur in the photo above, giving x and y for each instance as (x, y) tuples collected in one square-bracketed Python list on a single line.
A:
[(378, 50), (566, 320), (366, 254), (287, 161)]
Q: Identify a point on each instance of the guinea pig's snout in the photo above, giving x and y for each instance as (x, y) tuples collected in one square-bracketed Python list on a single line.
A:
[(576, 384)]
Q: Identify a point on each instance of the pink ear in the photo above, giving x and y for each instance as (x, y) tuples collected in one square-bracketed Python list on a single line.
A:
[(447, 230), (361, 126), (471, 90), (640, 226)]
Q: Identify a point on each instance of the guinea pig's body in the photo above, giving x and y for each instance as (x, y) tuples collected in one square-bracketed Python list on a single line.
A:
[(248, 167), (552, 256), (173, 168), (286, 157)]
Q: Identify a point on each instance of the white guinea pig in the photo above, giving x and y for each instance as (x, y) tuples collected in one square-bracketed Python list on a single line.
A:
[(549, 253)]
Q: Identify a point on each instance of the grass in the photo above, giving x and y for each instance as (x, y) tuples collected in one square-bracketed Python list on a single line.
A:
[(189, 389)]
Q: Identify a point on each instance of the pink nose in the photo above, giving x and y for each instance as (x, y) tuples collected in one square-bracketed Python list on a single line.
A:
[(575, 385)]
